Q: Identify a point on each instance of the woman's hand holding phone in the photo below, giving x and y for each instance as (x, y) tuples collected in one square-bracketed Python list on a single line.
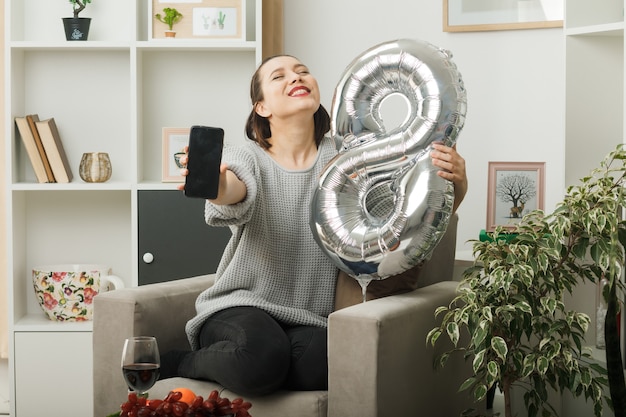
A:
[(204, 158), (205, 175)]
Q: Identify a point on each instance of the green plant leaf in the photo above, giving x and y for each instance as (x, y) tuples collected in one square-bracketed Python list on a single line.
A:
[(549, 304), (598, 368), (432, 336), (440, 361), (544, 342), (493, 369), (585, 377), (499, 346), (478, 360), (468, 383), (479, 335), (524, 307), (453, 332), (486, 312), (542, 365), (480, 391), (441, 309), (529, 366)]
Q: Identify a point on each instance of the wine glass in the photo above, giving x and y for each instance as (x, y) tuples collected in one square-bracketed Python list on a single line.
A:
[(141, 363)]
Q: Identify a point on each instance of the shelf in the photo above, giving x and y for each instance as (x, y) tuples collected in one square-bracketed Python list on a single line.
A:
[(197, 45), (156, 45), (73, 186), (40, 323), (607, 29), (153, 185), (69, 46)]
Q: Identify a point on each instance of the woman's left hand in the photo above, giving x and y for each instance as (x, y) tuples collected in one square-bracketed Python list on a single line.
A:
[(452, 167)]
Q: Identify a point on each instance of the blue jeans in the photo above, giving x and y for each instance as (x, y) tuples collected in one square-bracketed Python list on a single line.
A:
[(250, 353)]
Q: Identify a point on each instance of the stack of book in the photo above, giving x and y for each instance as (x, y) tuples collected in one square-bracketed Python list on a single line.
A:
[(44, 148)]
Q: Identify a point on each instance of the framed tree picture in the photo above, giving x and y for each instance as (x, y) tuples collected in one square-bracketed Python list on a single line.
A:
[(514, 189)]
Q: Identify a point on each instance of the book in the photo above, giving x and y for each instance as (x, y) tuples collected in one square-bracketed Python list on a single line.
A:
[(31, 119), (31, 149), (54, 150)]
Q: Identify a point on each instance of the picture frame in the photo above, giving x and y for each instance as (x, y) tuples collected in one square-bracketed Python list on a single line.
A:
[(485, 15), (513, 190), (174, 141), (202, 19)]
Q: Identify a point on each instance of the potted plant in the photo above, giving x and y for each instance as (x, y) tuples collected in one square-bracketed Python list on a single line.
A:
[(77, 28), (170, 17), (220, 20), (518, 331)]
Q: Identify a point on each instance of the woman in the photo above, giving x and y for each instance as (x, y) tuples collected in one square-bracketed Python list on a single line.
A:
[(262, 326)]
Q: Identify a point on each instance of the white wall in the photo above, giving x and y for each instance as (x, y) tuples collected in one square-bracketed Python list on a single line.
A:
[(514, 81)]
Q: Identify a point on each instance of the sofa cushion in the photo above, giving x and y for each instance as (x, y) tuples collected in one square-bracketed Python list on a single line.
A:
[(290, 403)]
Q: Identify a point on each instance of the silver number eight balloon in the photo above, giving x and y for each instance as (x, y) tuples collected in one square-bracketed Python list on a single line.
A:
[(380, 208)]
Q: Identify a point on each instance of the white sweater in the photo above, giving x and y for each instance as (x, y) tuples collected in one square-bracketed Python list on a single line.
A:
[(272, 260)]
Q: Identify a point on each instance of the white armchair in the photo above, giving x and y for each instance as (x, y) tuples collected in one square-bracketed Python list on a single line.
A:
[(379, 362)]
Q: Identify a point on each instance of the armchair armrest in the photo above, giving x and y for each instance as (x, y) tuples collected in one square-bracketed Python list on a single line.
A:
[(380, 364), (159, 310)]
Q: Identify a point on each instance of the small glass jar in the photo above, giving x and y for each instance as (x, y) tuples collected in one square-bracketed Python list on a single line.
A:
[(95, 167)]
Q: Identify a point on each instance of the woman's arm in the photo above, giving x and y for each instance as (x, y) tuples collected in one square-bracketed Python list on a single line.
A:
[(231, 189)]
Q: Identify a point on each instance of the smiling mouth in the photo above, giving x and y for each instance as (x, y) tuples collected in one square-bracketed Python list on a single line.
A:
[(299, 91)]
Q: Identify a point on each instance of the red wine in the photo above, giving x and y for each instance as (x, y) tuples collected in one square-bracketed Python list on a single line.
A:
[(140, 377)]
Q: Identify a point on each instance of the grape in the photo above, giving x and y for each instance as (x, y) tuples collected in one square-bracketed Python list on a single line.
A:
[(213, 406), (173, 396), (197, 402), (154, 404), (213, 395), (144, 412), (179, 408)]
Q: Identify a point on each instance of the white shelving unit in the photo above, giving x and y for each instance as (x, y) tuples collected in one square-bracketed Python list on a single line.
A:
[(113, 93), (594, 42), (594, 118)]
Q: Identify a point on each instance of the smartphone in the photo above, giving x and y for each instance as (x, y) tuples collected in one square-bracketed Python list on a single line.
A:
[(204, 159)]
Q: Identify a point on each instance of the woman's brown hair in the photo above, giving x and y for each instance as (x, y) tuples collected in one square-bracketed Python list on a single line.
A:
[(258, 127)]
